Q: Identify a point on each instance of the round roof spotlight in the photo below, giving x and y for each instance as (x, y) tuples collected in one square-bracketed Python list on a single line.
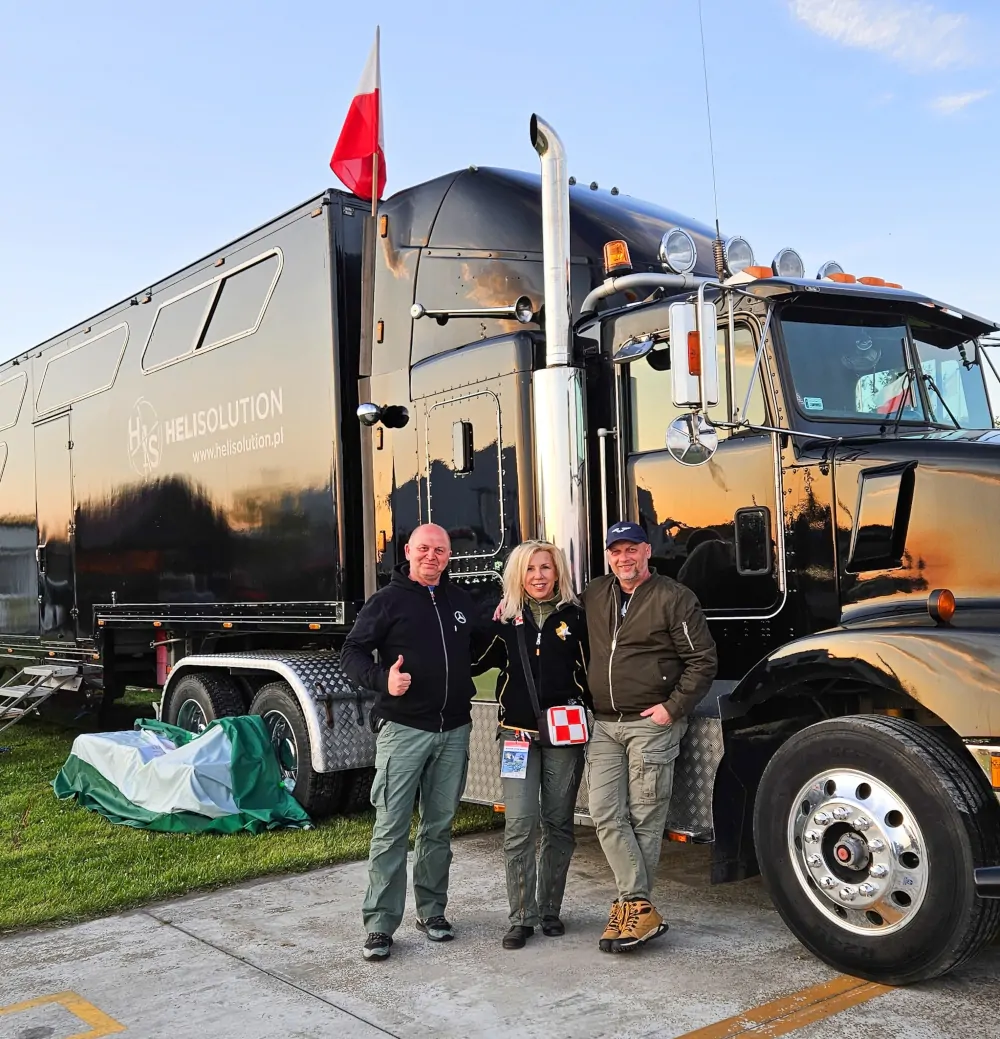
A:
[(788, 264), (828, 268), (678, 251), (739, 255)]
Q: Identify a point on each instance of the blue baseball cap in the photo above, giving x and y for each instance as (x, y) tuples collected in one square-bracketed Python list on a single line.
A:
[(625, 532)]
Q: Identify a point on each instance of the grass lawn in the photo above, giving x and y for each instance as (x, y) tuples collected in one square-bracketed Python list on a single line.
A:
[(59, 862)]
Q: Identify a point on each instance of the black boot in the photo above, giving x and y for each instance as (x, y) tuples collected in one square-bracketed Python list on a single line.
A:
[(517, 936), (552, 926)]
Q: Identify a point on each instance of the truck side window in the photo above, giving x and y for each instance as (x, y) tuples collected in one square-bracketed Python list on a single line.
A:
[(649, 390), (83, 370)]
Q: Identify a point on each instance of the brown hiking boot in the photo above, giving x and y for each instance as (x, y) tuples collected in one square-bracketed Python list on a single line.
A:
[(613, 930), (640, 923)]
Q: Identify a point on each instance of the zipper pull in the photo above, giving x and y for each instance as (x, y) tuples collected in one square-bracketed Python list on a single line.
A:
[(538, 643)]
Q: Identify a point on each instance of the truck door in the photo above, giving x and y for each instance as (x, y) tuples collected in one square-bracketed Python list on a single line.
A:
[(54, 510), (715, 527)]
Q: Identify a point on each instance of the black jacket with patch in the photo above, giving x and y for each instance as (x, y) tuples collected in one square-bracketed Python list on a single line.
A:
[(438, 632), (557, 656)]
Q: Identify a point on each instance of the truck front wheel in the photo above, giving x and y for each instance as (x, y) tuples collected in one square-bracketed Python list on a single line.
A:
[(317, 792), (868, 830)]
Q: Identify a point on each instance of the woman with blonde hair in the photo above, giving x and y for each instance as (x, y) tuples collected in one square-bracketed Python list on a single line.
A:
[(540, 649)]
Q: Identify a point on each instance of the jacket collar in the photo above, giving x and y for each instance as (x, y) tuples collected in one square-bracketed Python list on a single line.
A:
[(401, 578)]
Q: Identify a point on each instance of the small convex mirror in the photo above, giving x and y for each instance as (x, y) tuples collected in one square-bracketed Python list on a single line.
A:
[(691, 439), (461, 446), (688, 354), (753, 541)]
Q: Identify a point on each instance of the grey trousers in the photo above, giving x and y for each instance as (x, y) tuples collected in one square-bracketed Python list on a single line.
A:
[(543, 801), (630, 773), (408, 760)]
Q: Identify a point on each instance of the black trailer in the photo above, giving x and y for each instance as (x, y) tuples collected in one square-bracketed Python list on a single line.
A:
[(189, 501)]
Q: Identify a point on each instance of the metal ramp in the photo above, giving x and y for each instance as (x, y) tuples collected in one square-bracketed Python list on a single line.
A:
[(31, 687)]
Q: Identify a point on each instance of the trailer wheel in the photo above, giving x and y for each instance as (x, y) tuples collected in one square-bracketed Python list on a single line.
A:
[(357, 791), (868, 830), (200, 698), (317, 792)]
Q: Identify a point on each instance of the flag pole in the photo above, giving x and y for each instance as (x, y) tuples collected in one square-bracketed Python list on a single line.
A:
[(377, 121)]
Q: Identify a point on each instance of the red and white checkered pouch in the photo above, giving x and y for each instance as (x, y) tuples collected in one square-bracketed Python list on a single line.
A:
[(567, 725)]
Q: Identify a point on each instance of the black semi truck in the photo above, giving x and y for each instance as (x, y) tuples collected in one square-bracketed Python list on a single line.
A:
[(200, 486)]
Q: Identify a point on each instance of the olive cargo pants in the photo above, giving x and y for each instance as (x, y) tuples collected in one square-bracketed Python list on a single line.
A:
[(630, 775), (544, 799), (408, 760)]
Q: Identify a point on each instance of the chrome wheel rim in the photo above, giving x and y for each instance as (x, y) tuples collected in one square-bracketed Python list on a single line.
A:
[(286, 750), (191, 716), (858, 852)]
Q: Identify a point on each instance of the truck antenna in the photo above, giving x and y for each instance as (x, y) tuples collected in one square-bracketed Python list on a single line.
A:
[(717, 249)]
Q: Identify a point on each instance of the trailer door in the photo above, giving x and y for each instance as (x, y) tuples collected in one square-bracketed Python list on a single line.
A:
[(54, 508)]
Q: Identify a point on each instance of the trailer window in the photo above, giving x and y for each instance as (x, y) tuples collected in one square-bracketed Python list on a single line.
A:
[(240, 304), (12, 389), (175, 326), (221, 310), (81, 371)]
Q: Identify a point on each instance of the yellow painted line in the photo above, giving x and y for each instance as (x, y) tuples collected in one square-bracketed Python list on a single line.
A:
[(789, 1013), (100, 1023)]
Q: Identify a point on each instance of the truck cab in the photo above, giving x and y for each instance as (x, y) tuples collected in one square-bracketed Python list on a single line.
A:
[(814, 457)]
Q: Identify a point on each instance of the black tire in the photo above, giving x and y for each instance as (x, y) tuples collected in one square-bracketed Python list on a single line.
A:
[(357, 791), (214, 695), (318, 792), (947, 805)]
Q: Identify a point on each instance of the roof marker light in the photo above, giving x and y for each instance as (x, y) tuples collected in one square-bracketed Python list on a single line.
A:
[(941, 605), (843, 278), (758, 272), (868, 280)]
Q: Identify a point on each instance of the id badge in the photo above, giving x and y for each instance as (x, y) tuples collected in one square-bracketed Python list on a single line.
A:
[(514, 760)]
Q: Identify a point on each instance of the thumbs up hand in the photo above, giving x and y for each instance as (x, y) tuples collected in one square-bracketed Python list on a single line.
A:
[(399, 681)]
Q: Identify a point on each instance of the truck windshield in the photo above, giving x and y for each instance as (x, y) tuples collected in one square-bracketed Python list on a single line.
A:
[(854, 367)]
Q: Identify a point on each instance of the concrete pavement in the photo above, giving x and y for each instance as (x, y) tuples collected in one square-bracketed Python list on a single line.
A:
[(282, 957)]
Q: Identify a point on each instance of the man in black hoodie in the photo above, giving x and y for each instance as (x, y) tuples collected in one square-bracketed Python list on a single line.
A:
[(428, 631)]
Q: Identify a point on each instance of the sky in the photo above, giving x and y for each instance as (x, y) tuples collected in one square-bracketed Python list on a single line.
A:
[(136, 138)]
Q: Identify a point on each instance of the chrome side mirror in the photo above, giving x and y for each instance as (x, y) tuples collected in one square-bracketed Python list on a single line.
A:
[(392, 416), (691, 439)]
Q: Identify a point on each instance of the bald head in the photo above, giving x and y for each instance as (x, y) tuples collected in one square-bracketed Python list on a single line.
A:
[(428, 551)]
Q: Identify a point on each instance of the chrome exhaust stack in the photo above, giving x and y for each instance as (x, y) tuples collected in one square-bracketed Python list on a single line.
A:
[(558, 391)]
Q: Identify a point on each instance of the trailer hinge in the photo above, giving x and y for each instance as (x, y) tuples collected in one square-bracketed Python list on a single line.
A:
[(69, 445), (74, 613)]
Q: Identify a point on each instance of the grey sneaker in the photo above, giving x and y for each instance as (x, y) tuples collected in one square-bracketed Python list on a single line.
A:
[(377, 946), (436, 928)]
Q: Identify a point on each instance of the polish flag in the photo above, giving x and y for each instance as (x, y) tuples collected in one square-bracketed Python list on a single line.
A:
[(358, 158)]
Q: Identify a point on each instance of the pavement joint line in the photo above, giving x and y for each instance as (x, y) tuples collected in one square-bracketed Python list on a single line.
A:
[(101, 1024), (271, 974), (792, 1012)]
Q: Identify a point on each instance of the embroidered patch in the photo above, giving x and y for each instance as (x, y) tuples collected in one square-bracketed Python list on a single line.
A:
[(562, 630)]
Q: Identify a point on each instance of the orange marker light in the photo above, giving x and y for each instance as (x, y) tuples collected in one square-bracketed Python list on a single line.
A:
[(227, 624), (694, 353), (941, 605), (893, 285), (314, 627), (616, 256), (759, 272), (844, 279), (872, 281)]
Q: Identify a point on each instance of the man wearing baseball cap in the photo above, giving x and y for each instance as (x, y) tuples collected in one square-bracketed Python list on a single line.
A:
[(651, 660)]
